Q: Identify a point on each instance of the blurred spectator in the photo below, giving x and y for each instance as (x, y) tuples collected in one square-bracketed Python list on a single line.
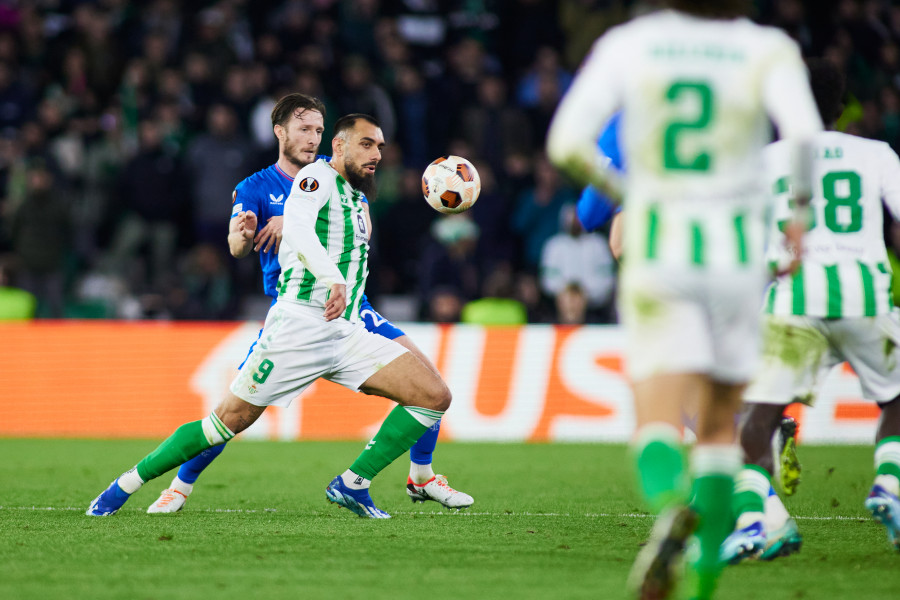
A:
[(152, 203), (209, 39), (216, 161), (40, 230), (362, 95), (493, 127), (571, 305), (546, 65), (414, 124), (574, 257), (496, 244), (536, 218), (401, 235), (449, 275)]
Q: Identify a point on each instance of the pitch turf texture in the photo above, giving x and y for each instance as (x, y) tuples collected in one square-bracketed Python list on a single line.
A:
[(549, 521)]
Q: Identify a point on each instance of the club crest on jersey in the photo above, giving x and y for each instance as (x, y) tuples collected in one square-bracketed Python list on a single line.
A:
[(309, 184), (276, 200)]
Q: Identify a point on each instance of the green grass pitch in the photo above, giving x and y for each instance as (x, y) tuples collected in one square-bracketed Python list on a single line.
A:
[(550, 521)]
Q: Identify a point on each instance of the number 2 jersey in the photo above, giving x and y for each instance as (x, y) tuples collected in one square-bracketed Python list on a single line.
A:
[(695, 95), (325, 240), (845, 270)]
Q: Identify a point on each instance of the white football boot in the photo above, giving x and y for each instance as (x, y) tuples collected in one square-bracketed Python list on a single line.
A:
[(439, 490), (170, 501)]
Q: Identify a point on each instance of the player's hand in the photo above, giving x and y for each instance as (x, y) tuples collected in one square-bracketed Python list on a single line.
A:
[(246, 224), (337, 302), (793, 241), (270, 235)]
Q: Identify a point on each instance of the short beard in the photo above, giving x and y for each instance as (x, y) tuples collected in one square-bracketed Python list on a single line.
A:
[(361, 181), (292, 158)]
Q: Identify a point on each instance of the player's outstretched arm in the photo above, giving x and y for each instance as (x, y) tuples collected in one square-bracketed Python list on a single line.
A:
[(241, 230)]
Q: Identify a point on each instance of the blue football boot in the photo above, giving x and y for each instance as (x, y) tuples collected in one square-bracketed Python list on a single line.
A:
[(885, 507), (109, 502), (359, 501)]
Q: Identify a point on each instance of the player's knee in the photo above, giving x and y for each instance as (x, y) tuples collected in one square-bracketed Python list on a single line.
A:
[(440, 396)]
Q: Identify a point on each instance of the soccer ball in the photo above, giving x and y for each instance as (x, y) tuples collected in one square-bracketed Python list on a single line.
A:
[(451, 184)]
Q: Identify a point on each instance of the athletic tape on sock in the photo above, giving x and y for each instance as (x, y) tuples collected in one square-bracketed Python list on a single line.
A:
[(215, 431), (425, 416)]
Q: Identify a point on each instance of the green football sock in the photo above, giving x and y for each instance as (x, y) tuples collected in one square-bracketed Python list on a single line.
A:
[(887, 464), (188, 441), (887, 456), (400, 430), (751, 488), (660, 467), (714, 467)]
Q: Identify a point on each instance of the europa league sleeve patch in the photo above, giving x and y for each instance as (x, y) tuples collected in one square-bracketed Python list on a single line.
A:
[(308, 184)]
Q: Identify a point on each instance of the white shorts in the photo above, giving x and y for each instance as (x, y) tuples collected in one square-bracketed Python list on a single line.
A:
[(692, 321), (297, 346), (798, 353)]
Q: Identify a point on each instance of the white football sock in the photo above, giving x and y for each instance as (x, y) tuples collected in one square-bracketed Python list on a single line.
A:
[(130, 481), (179, 486), (354, 481), (420, 474)]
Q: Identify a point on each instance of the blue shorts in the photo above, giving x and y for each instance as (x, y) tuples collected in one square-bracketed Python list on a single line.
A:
[(376, 323), (373, 321)]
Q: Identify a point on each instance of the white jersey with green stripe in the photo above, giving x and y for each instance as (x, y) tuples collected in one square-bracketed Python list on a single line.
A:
[(696, 96), (325, 240), (845, 270)]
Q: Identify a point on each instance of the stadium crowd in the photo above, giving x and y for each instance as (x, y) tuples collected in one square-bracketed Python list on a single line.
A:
[(125, 125)]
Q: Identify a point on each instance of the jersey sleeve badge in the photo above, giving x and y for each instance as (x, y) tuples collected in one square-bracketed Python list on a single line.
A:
[(308, 184)]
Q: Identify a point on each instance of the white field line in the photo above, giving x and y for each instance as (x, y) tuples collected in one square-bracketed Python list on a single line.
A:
[(435, 513)]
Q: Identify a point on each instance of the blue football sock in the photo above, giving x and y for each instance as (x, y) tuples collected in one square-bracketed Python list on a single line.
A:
[(422, 450), (190, 471)]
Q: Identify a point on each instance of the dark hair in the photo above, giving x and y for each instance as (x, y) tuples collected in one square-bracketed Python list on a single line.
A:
[(293, 105), (349, 122), (827, 83), (712, 9)]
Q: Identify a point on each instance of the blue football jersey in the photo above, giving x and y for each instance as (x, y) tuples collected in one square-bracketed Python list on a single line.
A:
[(265, 193)]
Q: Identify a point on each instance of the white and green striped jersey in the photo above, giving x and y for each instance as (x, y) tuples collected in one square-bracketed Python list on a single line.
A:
[(325, 240), (845, 270), (695, 96)]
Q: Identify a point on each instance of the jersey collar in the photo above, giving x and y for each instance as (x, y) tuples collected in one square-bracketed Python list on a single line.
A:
[(282, 173)]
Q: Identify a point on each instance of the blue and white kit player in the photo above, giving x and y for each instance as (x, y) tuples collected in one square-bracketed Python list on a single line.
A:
[(256, 223)]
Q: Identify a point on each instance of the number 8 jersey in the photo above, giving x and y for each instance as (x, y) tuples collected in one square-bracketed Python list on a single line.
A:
[(326, 240), (845, 271)]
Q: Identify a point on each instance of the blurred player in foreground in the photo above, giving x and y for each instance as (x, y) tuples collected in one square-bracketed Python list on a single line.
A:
[(596, 210), (256, 224), (836, 308), (313, 330), (695, 92)]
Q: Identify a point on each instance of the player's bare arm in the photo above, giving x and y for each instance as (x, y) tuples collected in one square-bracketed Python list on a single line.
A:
[(241, 230), (269, 237)]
